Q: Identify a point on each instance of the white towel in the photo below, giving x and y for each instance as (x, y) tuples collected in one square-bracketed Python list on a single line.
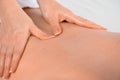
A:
[(28, 3), (102, 12)]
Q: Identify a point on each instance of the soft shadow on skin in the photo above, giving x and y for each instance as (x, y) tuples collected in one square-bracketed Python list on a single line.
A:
[(38, 19), (78, 53), (84, 33), (35, 14), (46, 28)]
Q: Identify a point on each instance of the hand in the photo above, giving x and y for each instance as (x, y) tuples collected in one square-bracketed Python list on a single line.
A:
[(15, 29), (54, 13)]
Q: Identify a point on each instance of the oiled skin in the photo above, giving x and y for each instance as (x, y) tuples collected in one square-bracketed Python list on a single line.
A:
[(77, 54)]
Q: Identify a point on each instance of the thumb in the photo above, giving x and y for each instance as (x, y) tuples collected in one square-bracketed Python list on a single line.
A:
[(57, 29), (38, 33), (83, 22)]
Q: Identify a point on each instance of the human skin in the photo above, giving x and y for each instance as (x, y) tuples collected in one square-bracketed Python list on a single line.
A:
[(13, 35), (77, 54), (52, 7), (16, 27)]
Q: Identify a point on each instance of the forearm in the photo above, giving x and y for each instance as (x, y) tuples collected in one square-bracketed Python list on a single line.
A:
[(43, 2), (46, 0)]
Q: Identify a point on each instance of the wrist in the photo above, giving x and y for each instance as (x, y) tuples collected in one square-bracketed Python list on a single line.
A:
[(46, 3), (43, 2)]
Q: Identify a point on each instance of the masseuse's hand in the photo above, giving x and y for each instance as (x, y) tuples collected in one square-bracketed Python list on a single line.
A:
[(54, 13), (15, 29)]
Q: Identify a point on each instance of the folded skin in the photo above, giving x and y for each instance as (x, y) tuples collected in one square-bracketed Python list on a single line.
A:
[(15, 29), (54, 14), (13, 37), (77, 54)]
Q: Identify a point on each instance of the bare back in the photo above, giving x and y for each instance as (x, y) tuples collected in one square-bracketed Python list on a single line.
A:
[(77, 54)]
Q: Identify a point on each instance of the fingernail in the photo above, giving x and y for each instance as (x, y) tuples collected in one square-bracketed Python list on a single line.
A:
[(57, 32), (50, 37), (10, 71)]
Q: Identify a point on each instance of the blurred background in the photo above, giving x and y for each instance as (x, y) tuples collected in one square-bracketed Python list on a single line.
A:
[(102, 12)]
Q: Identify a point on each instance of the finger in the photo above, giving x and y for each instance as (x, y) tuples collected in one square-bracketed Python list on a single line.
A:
[(55, 26), (17, 53), (72, 18), (38, 33), (2, 60), (8, 59)]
